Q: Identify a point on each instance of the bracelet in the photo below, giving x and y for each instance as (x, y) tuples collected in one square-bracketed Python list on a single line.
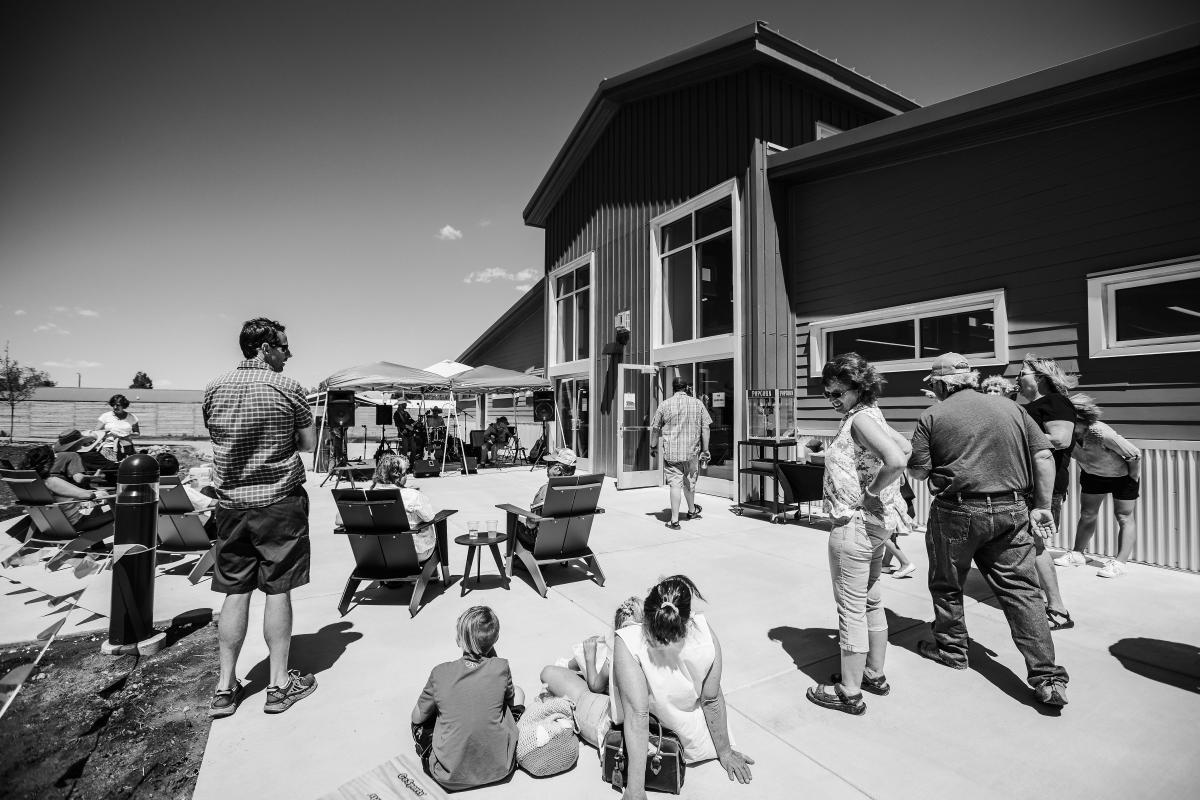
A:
[(867, 491)]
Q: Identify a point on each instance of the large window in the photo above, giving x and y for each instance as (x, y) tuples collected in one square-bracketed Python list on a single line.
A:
[(909, 337), (1146, 310), (571, 292), (697, 257)]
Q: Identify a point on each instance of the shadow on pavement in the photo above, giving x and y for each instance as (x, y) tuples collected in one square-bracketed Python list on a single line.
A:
[(310, 652), (1172, 663), (808, 648), (187, 623), (398, 593)]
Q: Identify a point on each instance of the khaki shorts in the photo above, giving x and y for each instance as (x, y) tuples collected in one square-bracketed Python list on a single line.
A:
[(683, 473), (591, 717)]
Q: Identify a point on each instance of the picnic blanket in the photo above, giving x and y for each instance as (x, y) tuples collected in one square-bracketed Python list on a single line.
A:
[(399, 778)]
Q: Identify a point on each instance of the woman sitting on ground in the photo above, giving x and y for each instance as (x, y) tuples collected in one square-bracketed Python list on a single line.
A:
[(84, 515), (670, 666), (585, 679)]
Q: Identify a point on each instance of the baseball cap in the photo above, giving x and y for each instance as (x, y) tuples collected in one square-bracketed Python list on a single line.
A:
[(566, 457), (948, 364)]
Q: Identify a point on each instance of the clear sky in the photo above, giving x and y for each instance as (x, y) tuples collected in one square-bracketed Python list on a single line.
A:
[(357, 168)]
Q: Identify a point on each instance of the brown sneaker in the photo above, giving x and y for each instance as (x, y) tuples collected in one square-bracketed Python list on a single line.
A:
[(280, 699)]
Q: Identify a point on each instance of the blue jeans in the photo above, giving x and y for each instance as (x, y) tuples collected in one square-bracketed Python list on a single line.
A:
[(996, 535)]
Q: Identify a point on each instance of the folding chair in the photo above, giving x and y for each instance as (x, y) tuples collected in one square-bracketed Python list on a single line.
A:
[(180, 532), (564, 527), (375, 522), (48, 522)]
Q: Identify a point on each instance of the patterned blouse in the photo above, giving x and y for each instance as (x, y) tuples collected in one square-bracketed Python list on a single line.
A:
[(849, 470)]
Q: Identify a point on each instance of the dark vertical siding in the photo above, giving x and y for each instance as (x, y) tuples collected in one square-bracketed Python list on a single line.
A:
[(1032, 214), (657, 153)]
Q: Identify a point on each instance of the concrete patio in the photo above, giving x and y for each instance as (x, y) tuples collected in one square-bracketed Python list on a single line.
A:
[(1134, 661)]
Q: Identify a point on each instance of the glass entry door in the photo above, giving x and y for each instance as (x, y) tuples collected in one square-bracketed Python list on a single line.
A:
[(574, 407), (637, 395)]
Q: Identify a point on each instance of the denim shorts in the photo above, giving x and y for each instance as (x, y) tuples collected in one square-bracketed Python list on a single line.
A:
[(855, 563), (263, 548)]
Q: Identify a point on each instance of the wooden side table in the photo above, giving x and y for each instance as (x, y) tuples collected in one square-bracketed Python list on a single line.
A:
[(492, 541)]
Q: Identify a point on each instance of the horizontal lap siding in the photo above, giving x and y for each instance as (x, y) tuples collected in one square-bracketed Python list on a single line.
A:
[(1032, 215), (521, 345)]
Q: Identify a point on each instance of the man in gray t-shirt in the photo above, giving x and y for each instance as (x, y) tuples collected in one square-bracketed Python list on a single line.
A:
[(982, 456)]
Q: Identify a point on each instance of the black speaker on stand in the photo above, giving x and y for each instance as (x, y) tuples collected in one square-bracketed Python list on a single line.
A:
[(543, 406), (341, 408)]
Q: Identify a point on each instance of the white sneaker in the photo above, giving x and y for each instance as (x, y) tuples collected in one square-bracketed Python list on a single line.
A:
[(1071, 558), (1113, 569), (905, 572)]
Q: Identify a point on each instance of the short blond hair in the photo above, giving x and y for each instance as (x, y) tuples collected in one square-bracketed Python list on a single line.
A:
[(478, 630), (1006, 387)]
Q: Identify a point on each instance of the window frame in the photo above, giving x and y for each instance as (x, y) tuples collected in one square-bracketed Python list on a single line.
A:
[(823, 130), (576, 366), (1102, 288), (993, 300), (700, 348)]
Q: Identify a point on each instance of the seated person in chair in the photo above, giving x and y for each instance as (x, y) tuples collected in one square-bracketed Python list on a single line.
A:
[(83, 515), (168, 466), (494, 438), (84, 447), (561, 463), (391, 472)]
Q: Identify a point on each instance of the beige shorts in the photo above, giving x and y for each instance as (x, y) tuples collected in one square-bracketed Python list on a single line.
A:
[(682, 473), (591, 717)]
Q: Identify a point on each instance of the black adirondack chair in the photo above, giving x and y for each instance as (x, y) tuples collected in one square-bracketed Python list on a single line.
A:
[(564, 527), (180, 532), (48, 522), (381, 539)]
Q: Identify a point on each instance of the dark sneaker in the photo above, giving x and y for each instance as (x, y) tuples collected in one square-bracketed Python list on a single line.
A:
[(1052, 693), (226, 701), (298, 687), (931, 651), (695, 512)]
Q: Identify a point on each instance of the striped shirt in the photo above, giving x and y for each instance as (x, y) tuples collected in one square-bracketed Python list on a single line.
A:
[(252, 415), (679, 420)]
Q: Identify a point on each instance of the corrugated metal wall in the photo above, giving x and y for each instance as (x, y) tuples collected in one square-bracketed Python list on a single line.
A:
[(1168, 535)]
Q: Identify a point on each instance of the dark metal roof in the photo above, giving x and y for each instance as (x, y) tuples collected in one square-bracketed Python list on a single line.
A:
[(998, 108), (738, 49), (66, 394), (527, 303)]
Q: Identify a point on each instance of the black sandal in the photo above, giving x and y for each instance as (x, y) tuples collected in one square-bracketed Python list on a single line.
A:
[(878, 686), (839, 700), (1063, 622)]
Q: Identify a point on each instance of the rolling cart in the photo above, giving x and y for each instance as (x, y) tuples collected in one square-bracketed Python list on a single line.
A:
[(765, 470)]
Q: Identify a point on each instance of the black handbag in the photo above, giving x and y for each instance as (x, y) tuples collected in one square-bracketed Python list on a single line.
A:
[(664, 762)]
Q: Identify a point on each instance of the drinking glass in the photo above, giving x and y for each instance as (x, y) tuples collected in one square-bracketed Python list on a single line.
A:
[(491, 527), (473, 528)]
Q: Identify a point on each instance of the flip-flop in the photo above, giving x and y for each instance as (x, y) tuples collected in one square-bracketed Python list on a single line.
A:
[(838, 701)]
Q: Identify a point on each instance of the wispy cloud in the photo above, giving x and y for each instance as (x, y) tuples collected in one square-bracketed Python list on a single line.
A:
[(20, 312), (60, 309), (72, 364), (523, 287), (483, 223), (449, 233), (86, 312), (52, 327), (499, 273)]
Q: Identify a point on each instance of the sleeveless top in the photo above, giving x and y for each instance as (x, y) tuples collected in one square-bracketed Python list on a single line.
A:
[(675, 677), (849, 470)]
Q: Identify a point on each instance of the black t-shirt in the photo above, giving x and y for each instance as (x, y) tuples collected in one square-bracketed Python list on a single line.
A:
[(1049, 408)]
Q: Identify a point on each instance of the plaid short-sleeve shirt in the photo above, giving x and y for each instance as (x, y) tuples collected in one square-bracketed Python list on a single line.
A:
[(252, 414), (679, 420)]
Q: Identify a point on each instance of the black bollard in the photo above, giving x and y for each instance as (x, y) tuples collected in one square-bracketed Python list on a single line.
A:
[(131, 621)]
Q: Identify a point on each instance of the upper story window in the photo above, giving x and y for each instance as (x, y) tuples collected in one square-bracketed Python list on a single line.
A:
[(824, 130), (697, 258), (1146, 310), (571, 288), (908, 337)]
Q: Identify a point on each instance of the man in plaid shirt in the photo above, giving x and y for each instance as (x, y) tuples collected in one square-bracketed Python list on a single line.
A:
[(682, 422), (259, 422)]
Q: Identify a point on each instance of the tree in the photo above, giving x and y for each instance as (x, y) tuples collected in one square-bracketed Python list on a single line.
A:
[(141, 381), (48, 382), (17, 384)]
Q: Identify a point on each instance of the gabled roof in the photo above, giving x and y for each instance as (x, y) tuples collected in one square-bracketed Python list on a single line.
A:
[(1003, 110), (531, 301), (736, 50)]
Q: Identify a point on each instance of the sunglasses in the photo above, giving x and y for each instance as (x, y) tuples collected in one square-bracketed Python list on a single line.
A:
[(832, 395)]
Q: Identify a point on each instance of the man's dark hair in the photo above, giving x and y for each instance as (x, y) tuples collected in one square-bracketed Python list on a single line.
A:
[(40, 459), (679, 384), (857, 373), (256, 332), (168, 464)]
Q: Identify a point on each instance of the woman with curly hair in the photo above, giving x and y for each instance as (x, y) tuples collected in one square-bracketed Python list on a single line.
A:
[(670, 666), (1108, 464), (999, 385), (1045, 385), (862, 498), (118, 427)]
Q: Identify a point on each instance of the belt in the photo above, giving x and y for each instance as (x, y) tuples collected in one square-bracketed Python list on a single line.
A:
[(1015, 496)]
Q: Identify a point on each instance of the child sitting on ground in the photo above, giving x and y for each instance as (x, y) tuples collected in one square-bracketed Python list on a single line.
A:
[(585, 679), (464, 722)]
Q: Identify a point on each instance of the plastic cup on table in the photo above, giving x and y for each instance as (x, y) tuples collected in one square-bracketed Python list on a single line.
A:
[(473, 528), (491, 527)]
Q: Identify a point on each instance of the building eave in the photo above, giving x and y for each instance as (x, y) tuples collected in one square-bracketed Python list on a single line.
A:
[(523, 305)]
